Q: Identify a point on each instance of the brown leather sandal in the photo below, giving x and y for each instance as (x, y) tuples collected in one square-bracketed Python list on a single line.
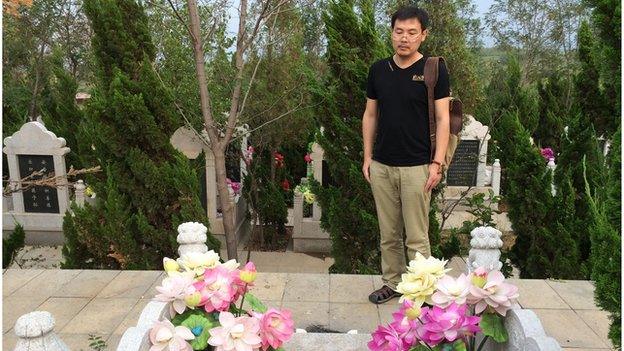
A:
[(383, 294)]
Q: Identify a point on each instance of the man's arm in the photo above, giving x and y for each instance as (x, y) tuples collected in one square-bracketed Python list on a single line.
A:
[(443, 128), (443, 132), (369, 128)]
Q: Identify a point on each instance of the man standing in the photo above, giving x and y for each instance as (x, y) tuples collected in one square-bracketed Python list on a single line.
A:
[(400, 168)]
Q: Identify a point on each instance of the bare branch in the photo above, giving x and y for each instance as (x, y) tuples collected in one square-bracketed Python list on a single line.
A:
[(177, 14), (49, 179), (253, 76), (281, 116), (200, 68)]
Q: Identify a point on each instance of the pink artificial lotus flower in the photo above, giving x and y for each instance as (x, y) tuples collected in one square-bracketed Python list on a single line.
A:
[(406, 322), (236, 333), (248, 273), (494, 292), (174, 289), (447, 324), (164, 335), (308, 158), (386, 339), (451, 290), (218, 289), (276, 327)]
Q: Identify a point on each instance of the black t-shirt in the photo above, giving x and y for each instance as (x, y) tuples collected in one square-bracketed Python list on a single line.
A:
[(403, 124)]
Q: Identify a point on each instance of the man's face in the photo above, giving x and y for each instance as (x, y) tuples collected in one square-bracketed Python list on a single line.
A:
[(407, 36)]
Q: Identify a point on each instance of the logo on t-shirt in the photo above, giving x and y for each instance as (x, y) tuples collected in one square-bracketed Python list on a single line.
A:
[(418, 78)]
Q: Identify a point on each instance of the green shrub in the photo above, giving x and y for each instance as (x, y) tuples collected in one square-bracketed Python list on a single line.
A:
[(147, 188), (348, 207), (606, 239), (540, 250), (12, 244), (266, 197)]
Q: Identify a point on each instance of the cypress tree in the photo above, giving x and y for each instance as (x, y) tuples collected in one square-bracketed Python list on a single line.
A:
[(146, 188), (589, 94), (606, 18), (538, 251), (348, 206), (553, 110), (580, 144), (62, 116), (606, 240)]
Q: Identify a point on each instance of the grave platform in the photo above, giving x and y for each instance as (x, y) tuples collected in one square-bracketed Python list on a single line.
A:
[(106, 303)]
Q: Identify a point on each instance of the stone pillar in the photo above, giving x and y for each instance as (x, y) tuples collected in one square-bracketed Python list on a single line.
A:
[(485, 249), (317, 165), (297, 214), (192, 238), (35, 332), (552, 166), (79, 192), (496, 177)]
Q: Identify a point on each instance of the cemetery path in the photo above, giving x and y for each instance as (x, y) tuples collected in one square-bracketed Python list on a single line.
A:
[(105, 303)]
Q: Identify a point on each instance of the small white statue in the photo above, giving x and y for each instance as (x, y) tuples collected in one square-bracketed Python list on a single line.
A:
[(192, 238), (35, 332), (485, 248)]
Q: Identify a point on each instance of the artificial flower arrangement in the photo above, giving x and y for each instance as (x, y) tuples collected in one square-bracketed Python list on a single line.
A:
[(458, 309), (206, 300), (547, 153), (306, 192)]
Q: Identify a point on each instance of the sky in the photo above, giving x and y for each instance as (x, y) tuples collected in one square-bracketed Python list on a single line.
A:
[(482, 7)]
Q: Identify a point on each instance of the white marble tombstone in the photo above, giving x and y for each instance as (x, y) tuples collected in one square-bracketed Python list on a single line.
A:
[(191, 145), (28, 150), (474, 130)]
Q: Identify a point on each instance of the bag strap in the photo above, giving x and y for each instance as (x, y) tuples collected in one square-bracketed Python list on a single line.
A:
[(431, 78)]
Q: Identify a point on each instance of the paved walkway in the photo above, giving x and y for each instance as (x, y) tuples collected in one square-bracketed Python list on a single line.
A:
[(105, 303)]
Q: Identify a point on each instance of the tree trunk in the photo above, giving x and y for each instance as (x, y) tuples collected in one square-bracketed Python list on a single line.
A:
[(227, 207), (32, 113)]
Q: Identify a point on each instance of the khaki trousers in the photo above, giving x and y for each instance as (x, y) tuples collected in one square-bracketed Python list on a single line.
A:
[(401, 203)]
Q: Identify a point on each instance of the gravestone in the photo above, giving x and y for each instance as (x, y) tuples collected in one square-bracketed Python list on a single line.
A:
[(468, 167), (191, 145), (39, 209), (463, 169)]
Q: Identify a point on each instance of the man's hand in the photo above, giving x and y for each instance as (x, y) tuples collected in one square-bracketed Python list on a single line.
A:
[(366, 168), (435, 175)]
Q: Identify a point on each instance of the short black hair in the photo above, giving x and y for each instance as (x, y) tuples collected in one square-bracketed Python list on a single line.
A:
[(408, 12)]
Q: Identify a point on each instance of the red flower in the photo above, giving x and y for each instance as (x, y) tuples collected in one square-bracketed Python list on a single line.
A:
[(279, 159), (285, 185), (308, 158)]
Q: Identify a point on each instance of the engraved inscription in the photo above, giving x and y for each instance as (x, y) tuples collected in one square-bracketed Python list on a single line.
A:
[(38, 199), (463, 169)]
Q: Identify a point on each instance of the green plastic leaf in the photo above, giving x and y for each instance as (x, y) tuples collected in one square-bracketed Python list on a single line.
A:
[(419, 348), (179, 318), (492, 325), (255, 303), (200, 323)]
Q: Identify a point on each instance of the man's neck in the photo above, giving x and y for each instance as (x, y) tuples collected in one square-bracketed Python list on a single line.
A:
[(406, 61)]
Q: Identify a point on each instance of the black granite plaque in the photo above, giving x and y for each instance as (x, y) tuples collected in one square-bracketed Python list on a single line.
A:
[(38, 199), (463, 169)]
